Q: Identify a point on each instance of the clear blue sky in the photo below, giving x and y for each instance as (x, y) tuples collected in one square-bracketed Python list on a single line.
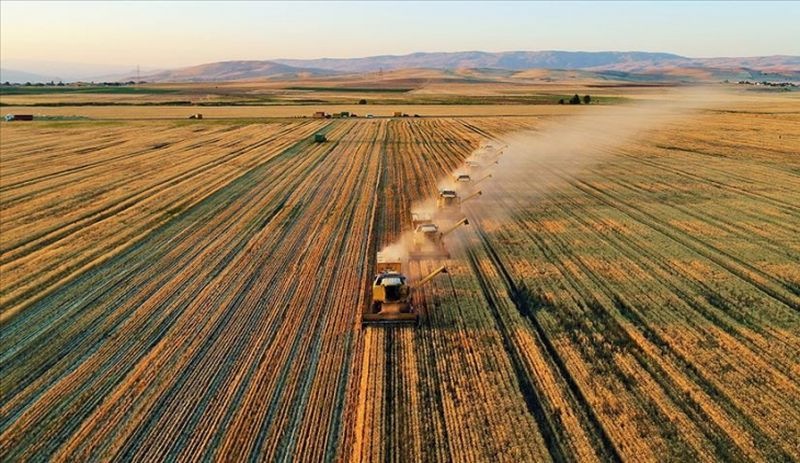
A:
[(171, 34)]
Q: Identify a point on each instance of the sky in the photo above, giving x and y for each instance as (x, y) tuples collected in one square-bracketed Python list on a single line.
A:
[(174, 34)]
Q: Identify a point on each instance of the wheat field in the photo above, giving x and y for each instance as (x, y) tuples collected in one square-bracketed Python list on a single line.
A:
[(187, 290)]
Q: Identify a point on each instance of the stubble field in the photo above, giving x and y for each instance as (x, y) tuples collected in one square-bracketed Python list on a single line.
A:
[(189, 291)]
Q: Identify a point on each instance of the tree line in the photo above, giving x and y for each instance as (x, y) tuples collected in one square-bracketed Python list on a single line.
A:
[(576, 99)]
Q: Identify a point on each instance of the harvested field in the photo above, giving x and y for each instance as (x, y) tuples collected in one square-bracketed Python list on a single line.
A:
[(176, 290)]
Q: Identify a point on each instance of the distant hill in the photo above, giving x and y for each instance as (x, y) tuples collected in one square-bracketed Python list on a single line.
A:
[(775, 63), (632, 66), (12, 75), (31, 70), (234, 70), (609, 65), (521, 60), (514, 60)]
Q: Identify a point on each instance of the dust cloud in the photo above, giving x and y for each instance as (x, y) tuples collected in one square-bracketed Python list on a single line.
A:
[(536, 162), (399, 250), (526, 166)]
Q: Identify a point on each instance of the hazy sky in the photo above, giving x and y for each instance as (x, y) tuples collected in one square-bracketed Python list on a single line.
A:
[(171, 34)]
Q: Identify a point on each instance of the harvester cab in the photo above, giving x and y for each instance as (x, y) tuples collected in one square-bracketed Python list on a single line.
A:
[(391, 294), (428, 242)]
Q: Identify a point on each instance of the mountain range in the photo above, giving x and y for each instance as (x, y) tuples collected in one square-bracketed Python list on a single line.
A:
[(634, 65), (612, 64), (514, 60)]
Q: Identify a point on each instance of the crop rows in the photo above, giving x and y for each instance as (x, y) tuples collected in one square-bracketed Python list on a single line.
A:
[(69, 206), (181, 333), (669, 296), (638, 317)]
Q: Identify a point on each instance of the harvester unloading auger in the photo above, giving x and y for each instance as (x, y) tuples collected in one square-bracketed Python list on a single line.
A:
[(392, 294), (428, 241), (476, 182)]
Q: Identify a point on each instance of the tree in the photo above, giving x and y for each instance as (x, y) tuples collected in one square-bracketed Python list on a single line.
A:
[(362, 101), (587, 99), (575, 99), (561, 101)]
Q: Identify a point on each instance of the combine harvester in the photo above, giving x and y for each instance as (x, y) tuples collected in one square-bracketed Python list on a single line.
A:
[(392, 294), (484, 158), (490, 150), (448, 204), (481, 161), (466, 183), (428, 241), (478, 163), (462, 178)]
